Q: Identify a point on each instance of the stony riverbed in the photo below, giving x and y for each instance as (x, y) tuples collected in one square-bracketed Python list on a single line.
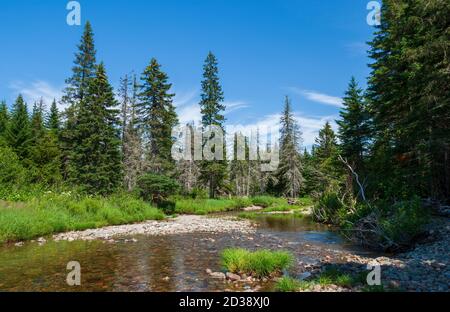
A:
[(180, 225), (180, 254)]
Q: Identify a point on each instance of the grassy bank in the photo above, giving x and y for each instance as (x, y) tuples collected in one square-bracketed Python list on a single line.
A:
[(260, 263), (206, 206), (330, 276), (32, 213), (54, 213)]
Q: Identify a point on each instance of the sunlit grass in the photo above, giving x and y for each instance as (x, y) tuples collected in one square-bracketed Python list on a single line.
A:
[(260, 263), (54, 213)]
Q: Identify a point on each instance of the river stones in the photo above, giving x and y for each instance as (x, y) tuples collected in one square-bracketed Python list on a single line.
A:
[(233, 277)]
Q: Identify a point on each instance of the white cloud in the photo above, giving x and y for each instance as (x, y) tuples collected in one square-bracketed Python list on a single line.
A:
[(187, 107), (234, 106), (319, 97), (309, 125), (36, 90)]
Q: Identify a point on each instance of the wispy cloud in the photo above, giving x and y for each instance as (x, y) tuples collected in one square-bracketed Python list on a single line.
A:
[(33, 92), (188, 108), (309, 125), (234, 106), (319, 97)]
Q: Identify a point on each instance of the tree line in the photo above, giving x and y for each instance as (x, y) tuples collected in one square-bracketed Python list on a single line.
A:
[(392, 143)]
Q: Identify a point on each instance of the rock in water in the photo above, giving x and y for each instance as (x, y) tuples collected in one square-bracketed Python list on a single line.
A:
[(218, 275), (233, 277)]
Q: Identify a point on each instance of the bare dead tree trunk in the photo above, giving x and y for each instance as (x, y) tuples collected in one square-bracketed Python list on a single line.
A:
[(361, 187)]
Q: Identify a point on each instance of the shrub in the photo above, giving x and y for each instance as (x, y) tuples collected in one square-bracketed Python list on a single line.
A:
[(388, 227), (199, 193), (156, 188), (259, 263), (405, 221), (328, 208), (167, 206)]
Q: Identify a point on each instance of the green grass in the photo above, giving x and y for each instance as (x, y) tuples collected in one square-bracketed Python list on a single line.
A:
[(54, 213), (267, 201), (255, 215), (330, 276), (261, 263), (289, 284), (206, 206)]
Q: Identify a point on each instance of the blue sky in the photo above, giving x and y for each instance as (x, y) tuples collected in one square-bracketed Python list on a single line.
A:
[(266, 49)]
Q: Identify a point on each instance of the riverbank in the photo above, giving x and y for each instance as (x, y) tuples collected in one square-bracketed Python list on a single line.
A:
[(51, 213), (55, 213), (426, 268)]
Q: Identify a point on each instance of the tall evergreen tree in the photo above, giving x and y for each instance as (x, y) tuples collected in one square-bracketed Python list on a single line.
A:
[(157, 117), (83, 69), (4, 118), (83, 72), (37, 120), (290, 179), (97, 157), (53, 122), (354, 127), (326, 143), (325, 159), (213, 173), (18, 134), (408, 91)]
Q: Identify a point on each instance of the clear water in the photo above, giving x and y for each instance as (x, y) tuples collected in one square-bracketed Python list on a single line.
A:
[(167, 263)]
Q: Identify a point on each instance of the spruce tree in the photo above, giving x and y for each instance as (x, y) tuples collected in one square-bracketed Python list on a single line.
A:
[(408, 92), (83, 69), (213, 173), (53, 121), (289, 175), (37, 121), (4, 118), (326, 143), (97, 156), (157, 117), (325, 159), (44, 161), (18, 133), (83, 72), (354, 127)]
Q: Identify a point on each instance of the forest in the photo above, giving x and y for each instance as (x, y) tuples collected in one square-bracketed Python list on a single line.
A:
[(106, 159)]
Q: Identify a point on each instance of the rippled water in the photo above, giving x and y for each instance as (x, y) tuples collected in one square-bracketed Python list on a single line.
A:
[(168, 263)]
